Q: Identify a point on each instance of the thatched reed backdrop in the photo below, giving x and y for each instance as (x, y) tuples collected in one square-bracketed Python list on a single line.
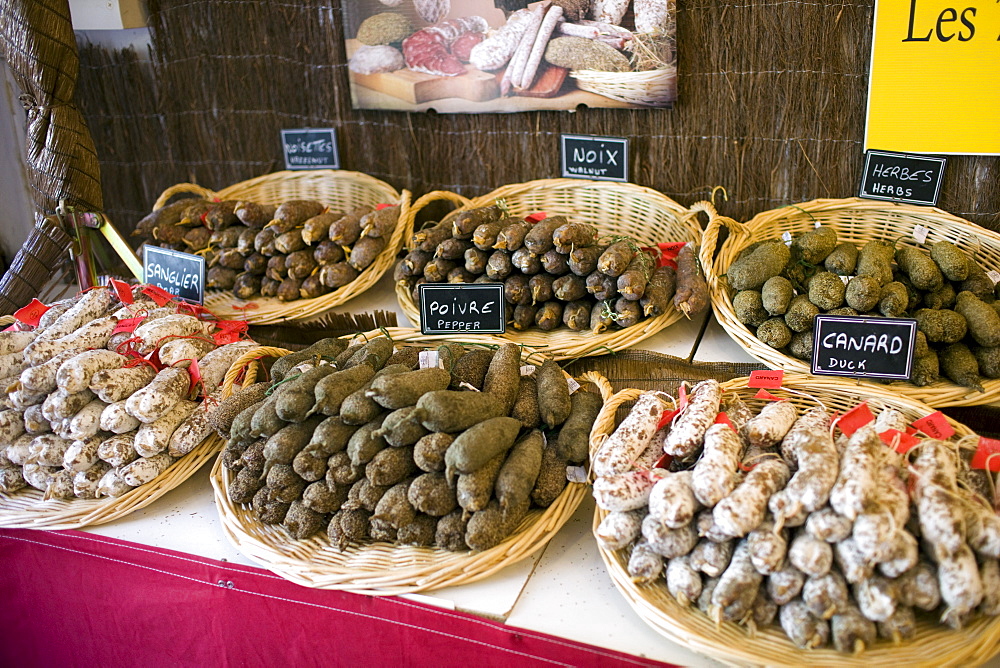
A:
[(771, 106)]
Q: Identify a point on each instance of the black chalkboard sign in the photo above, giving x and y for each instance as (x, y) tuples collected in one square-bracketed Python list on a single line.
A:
[(180, 274), (900, 177), (447, 308), (863, 347), (310, 149), (600, 158)]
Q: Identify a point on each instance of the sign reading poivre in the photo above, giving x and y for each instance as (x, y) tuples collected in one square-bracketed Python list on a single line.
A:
[(863, 347), (446, 308)]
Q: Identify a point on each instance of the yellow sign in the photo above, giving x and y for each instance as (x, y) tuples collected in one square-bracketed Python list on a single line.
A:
[(935, 77)]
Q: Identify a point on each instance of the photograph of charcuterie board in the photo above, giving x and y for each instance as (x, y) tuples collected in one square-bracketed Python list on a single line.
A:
[(483, 56)]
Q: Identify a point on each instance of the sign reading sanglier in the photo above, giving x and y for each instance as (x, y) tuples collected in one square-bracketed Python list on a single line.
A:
[(600, 158), (310, 148), (180, 274), (447, 308), (863, 347)]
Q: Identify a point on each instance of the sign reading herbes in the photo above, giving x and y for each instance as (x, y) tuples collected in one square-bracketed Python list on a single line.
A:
[(898, 177)]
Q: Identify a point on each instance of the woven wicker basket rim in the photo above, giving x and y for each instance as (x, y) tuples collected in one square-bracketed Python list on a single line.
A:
[(856, 220), (26, 508), (382, 569), (732, 644), (559, 196), (283, 185)]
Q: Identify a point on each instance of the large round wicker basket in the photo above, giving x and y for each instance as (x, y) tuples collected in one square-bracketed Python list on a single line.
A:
[(614, 209), (340, 190), (933, 645), (382, 569), (857, 221)]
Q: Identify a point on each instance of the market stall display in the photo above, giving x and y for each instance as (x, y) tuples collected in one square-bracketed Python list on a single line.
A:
[(862, 257), (786, 531), (388, 477), (578, 260), (287, 245), (108, 396)]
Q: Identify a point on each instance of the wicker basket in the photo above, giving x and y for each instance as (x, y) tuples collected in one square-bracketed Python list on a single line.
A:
[(856, 221), (613, 208), (933, 645), (341, 190), (382, 569), (651, 88), (25, 509)]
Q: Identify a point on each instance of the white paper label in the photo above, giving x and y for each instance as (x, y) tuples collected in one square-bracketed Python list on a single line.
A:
[(428, 359), (994, 276), (576, 474), (845, 279), (573, 385), (527, 369), (817, 224), (920, 233), (468, 386), (787, 237)]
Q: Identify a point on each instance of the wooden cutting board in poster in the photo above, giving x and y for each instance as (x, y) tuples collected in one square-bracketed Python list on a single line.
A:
[(417, 87)]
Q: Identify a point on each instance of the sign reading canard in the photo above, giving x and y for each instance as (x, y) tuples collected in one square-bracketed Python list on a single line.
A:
[(447, 308), (180, 274), (863, 347)]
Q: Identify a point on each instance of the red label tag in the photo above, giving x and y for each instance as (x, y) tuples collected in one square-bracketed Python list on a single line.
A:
[(128, 324), (682, 397), (911, 430), (32, 313), (233, 325), (766, 378), (195, 373), (154, 359), (663, 462), (12, 328), (157, 294), (123, 290), (223, 337), (535, 217), (898, 440), (379, 207), (935, 425), (723, 418), (855, 419), (665, 419), (987, 455), (764, 394)]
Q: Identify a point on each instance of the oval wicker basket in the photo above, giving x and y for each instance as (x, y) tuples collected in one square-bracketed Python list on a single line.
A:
[(341, 190), (650, 88), (26, 509), (933, 645), (858, 221), (613, 208), (382, 569)]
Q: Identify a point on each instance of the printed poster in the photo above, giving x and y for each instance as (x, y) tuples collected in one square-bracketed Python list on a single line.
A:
[(482, 56), (935, 78)]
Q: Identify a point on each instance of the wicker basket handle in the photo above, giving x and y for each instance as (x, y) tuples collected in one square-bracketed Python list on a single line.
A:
[(710, 237), (179, 188), (424, 200), (250, 360), (605, 422)]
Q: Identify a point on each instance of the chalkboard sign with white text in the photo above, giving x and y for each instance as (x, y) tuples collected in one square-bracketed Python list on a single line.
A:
[(310, 149), (899, 177), (447, 308), (863, 347), (600, 158), (180, 274)]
